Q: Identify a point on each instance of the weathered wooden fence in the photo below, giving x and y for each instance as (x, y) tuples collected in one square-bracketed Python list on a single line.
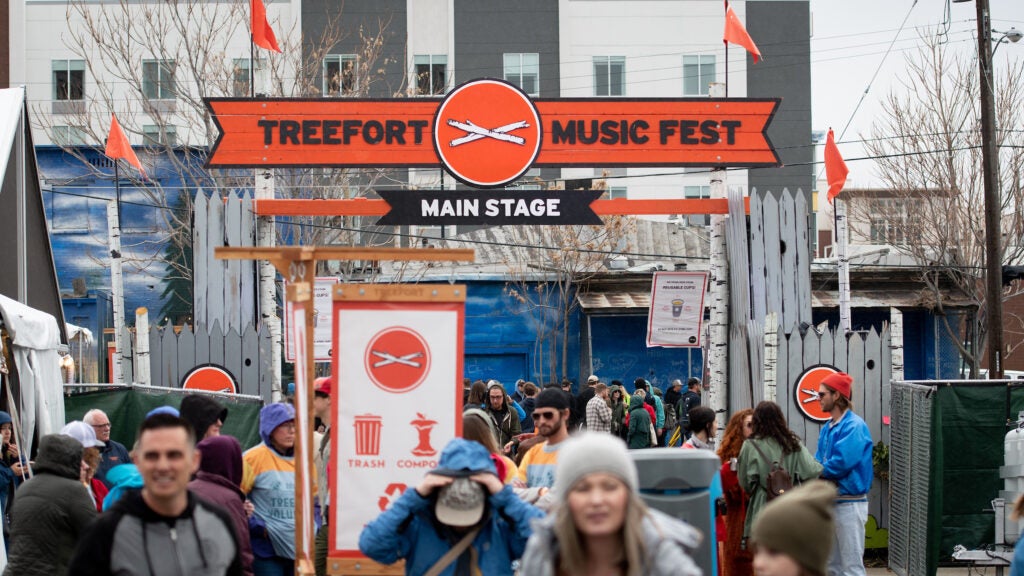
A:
[(224, 290), (780, 305), (245, 354)]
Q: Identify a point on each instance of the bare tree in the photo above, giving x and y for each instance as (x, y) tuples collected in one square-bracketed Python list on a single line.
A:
[(547, 265), (928, 148), (154, 63)]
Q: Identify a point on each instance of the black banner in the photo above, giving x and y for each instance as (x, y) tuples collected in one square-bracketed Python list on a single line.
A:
[(489, 207)]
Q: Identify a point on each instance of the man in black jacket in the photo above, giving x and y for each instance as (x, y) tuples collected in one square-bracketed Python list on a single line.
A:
[(50, 512), (164, 528)]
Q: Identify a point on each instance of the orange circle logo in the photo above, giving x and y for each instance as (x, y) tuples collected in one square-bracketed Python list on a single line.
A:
[(397, 360), (487, 133), (806, 392), (211, 378)]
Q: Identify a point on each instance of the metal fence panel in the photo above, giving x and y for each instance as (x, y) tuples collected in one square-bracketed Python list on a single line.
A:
[(910, 454)]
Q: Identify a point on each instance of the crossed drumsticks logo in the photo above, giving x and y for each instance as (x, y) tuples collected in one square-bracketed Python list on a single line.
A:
[(475, 132)]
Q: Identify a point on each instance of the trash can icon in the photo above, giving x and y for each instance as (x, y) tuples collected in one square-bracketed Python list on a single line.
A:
[(368, 427), (683, 484)]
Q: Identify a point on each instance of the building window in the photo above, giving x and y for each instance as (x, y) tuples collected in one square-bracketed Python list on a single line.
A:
[(68, 135), (340, 78), (241, 76), (609, 75), (529, 181), (68, 79), (153, 135), (69, 211), (158, 79), (523, 70), (431, 74), (890, 222), (698, 74), (697, 192), (616, 192)]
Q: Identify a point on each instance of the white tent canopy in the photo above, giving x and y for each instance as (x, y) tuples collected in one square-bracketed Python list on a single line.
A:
[(35, 337)]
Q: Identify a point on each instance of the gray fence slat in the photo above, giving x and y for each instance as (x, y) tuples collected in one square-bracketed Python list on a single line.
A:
[(803, 260), (247, 272), (127, 353), (773, 267), (232, 345), (787, 238), (200, 255), (794, 366), (840, 349), (186, 351), (873, 378), (855, 357), (757, 257), (827, 351), (155, 354), (202, 344), (250, 361), (232, 280), (216, 343), (169, 374), (215, 280)]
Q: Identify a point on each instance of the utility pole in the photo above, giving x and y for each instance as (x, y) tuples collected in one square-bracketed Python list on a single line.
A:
[(993, 200)]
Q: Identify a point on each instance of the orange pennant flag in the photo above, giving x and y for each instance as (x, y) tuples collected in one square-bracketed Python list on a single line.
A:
[(835, 168), (737, 34), (119, 147), (262, 33)]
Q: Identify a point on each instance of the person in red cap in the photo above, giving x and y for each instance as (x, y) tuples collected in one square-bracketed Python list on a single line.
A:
[(322, 389), (844, 451)]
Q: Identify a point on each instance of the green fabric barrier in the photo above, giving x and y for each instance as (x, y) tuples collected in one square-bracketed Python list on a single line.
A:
[(969, 423), (126, 408)]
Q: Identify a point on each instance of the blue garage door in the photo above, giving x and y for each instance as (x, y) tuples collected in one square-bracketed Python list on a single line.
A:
[(505, 368)]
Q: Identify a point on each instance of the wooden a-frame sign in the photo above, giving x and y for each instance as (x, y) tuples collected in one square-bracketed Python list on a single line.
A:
[(298, 264)]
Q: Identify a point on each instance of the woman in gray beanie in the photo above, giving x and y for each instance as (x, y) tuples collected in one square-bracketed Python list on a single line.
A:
[(600, 525)]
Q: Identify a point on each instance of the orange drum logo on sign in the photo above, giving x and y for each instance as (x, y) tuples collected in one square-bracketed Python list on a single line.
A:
[(487, 133), (806, 392), (211, 378), (397, 359)]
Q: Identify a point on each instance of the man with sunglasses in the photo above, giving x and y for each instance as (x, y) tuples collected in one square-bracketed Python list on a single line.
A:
[(550, 420)]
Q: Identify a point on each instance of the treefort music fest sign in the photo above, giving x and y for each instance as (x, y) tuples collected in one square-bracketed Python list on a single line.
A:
[(488, 133)]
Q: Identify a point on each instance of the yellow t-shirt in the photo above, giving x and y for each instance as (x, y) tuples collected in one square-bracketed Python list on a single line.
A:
[(537, 469)]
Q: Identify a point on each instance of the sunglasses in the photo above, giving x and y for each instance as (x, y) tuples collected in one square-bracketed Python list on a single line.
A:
[(544, 415)]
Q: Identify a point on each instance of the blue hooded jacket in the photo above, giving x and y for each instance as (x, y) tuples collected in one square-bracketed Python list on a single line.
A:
[(272, 526), (844, 450), (409, 528)]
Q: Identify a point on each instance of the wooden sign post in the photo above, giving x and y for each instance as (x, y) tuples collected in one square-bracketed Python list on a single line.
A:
[(298, 265)]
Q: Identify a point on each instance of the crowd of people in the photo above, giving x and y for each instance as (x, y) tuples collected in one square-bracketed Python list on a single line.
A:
[(541, 483)]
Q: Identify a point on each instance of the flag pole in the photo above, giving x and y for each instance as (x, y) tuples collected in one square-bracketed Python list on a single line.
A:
[(726, 42), (252, 67)]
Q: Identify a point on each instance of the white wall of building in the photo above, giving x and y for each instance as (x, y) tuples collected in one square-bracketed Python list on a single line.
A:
[(652, 36), (48, 36)]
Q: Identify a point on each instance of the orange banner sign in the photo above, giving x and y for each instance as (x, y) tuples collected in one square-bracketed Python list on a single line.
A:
[(487, 133)]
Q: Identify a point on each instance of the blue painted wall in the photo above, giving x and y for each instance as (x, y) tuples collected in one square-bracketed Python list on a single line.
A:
[(929, 353), (620, 352)]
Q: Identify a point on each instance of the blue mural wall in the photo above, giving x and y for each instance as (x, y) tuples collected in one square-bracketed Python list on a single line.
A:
[(75, 198)]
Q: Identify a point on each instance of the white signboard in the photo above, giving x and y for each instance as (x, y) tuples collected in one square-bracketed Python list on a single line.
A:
[(399, 370), (677, 309), (322, 310)]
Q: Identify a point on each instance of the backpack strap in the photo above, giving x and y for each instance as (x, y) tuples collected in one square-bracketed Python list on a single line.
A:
[(450, 556), (764, 481)]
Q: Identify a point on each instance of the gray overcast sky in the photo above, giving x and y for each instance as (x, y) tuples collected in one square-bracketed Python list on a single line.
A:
[(849, 40)]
